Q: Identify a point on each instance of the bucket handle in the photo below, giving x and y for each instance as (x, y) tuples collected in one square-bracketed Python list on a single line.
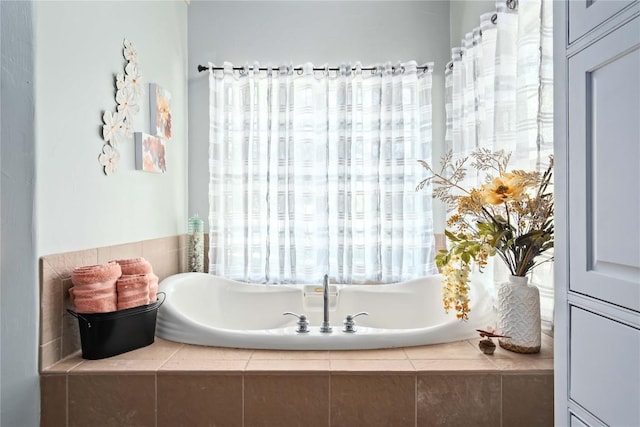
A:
[(80, 316), (164, 297)]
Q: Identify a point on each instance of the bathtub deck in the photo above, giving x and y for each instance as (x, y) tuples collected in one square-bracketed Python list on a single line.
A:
[(167, 384)]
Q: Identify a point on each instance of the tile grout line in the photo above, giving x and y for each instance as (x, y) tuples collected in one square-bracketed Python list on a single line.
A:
[(66, 380), (416, 400), (243, 399), (156, 397), (329, 403), (501, 405)]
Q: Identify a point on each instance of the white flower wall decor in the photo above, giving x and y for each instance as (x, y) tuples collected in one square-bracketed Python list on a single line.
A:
[(117, 124)]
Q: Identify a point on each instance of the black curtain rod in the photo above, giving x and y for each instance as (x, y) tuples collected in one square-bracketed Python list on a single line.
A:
[(202, 68)]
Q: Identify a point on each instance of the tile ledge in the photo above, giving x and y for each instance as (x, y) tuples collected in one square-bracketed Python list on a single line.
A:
[(63, 366)]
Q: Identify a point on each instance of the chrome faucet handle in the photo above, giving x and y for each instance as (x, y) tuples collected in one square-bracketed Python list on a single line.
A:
[(349, 324), (303, 323)]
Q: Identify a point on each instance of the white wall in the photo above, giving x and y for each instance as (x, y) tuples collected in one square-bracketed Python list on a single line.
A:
[(465, 16), (18, 290), (57, 199), (78, 51), (295, 32)]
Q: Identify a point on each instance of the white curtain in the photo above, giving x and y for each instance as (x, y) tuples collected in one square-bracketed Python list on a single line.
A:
[(499, 95), (313, 172)]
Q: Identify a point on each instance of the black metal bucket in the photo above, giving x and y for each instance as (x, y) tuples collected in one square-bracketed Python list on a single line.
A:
[(109, 334)]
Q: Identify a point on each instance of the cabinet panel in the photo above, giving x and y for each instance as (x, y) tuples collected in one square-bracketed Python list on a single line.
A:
[(604, 368), (604, 171), (585, 15), (575, 422)]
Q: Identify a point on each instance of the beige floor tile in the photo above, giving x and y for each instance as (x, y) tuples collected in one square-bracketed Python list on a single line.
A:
[(284, 354), (66, 364), (454, 350), (372, 366), (159, 350), (289, 365), (112, 365), (391, 353), (198, 352), (454, 366), (531, 365), (203, 365)]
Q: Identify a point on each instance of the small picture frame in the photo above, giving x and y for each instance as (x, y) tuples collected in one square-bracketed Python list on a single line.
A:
[(160, 108), (150, 153)]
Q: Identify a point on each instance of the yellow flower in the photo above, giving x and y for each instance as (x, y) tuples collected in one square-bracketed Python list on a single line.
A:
[(506, 187)]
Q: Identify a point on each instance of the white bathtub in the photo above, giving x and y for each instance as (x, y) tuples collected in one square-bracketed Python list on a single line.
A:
[(209, 310)]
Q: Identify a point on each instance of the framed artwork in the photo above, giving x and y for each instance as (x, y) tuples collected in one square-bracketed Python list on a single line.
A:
[(150, 153), (159, 106)]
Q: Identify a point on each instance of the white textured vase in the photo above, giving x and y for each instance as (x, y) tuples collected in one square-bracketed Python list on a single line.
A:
[(519, 315)]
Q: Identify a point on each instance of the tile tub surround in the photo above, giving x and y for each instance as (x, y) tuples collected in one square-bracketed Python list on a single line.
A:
[(174, 384), (59, 335)]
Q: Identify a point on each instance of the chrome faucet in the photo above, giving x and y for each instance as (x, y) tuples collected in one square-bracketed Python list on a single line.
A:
[(350, 324), (325, 296), (303, 323)]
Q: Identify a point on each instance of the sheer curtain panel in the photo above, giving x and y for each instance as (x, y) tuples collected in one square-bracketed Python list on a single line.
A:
[(499, 95), (314, 172)]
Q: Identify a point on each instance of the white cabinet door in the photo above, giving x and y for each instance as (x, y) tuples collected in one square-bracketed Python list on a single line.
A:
[(597, 174), (585, 15), (604, 369), (604, 168)]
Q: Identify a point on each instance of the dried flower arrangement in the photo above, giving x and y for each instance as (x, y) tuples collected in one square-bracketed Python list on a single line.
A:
[(511, 215)]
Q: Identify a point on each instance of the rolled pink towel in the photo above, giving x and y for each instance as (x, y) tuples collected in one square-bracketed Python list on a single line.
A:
[(132, 302), (153, 287), (94, 288), (133, 290), (134, 266), (93, 301), (98, 286), (91, 274)]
